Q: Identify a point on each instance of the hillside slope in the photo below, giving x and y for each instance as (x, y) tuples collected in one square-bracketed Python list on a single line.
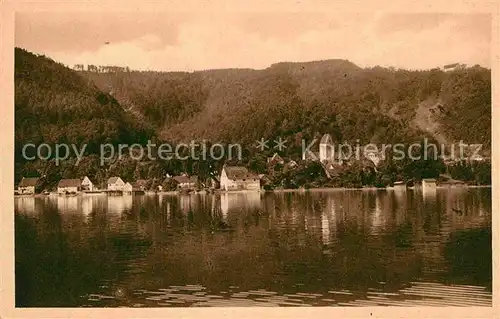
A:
[(54, 104), (307, 99)]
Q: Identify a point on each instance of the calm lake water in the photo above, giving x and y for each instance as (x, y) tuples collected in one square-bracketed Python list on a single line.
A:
[(316, 248)]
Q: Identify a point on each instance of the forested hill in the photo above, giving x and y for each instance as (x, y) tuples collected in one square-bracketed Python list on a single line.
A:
[(54, 104), (295, 100)]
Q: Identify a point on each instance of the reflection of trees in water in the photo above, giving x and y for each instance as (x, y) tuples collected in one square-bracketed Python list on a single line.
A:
[(469, 256), (57, 261), (439, 220), (25, 204), (321, 240)]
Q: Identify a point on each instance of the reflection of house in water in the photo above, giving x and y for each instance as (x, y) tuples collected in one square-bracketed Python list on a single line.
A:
[(187, 203), (119, 204), (25, 204), (429, 186), (88, 203), (454, 211), (377, 219), (325, 228), (67, 204), (401, 206), (313, 218), (329, 220), (239, 201)]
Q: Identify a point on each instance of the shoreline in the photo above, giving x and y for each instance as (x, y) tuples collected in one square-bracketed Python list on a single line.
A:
[(285, 190)]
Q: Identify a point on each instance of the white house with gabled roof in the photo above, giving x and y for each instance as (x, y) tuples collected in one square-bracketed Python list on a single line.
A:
[(115, 183)]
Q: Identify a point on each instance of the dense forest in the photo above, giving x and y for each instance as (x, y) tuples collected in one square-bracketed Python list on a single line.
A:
[(334, 96), (295, 101)]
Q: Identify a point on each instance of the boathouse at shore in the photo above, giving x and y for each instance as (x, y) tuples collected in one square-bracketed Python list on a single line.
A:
[(238, 178), (28, 185), (72, 185), (115, 184)]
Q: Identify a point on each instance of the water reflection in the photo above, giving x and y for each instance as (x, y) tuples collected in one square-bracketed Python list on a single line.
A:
[(289, 248), (25, 204), (119, 204)]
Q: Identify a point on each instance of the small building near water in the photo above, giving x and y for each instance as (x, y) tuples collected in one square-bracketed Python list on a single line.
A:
[(115, 184), (275, 159), (186, 182), (87, 184), (128, 188), (66, 186), (238, 178), (28, 185)]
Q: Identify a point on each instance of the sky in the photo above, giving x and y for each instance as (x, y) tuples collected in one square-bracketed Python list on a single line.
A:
[(212, 40)]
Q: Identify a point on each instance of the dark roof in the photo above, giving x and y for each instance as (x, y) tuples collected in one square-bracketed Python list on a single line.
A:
[(429, 180), (449, 66), (185, 179), (276, 158), (113, 180), (74, 182), (238, 172), (326, 139), (31, 181)]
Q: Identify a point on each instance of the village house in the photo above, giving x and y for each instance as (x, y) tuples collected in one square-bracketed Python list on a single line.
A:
[(327, 152), (291, 164), (452, 67), (115, 184), (238, 178), (264, 181), (373, 155), (211, 183), (28, 185), (275, 159), (326, 148), (66, 186), (87, 184), (128, 188), (186, 182), (332, 169)]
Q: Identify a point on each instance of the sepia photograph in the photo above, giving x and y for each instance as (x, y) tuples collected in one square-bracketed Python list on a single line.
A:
[(269, 158)]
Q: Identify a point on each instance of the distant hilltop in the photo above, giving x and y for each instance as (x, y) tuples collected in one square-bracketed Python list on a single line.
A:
[(100, 68), (319, 65), (311, 65)]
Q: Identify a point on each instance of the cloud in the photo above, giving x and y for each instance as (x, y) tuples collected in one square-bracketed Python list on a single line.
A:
[(223, 40), (88, 31)]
